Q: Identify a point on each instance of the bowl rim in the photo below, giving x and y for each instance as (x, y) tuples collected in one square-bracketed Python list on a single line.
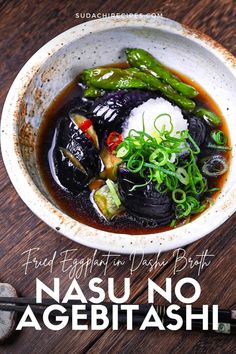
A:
[(50, 214)]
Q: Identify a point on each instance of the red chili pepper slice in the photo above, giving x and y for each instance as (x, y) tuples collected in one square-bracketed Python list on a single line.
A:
[(89, 136), (85, 125), (114, 139)]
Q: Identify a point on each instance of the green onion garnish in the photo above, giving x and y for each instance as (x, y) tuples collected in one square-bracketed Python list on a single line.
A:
[(179, 196), (158, 160), (213, 190), (219, 147), (219, 137), (122, 152), (182, 175), (173, 223)]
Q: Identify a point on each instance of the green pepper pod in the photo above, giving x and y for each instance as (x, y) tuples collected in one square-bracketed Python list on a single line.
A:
[(211, 117), (111, 79), (92, 91), (156, 84), (144, 61), (114, 78)]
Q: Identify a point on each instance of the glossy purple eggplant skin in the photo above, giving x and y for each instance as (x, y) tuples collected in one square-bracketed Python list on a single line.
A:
[(70, 137), (110, 111), (198, 129), (144, 202)]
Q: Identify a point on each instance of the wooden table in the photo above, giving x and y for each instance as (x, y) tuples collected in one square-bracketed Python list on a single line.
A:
[(25, 26)]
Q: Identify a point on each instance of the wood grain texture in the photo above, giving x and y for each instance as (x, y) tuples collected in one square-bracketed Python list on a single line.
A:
[(24, 27), (216, 289)]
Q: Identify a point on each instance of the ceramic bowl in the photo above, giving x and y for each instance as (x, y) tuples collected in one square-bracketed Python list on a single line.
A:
[(96, 43)]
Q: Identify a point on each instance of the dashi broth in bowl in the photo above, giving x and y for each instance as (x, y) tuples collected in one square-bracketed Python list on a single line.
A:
[(52, 71)]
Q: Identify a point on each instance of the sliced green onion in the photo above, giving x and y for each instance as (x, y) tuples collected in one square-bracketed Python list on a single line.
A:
[(171, 166), (219, 147), (159, 157), (200, 209), (168, 172), (135, 162), (197, 149), (171, 182), (182, 175), (172, 157), (193, 202), (182, 210), (114, 192), (173, 223), (163, 128), (179, 196), (122, 151), (156, 160), (213, 190), (158, 177), (140, 185), (219, 137)]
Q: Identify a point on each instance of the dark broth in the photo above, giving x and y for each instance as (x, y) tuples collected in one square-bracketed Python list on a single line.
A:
[(80, 207)]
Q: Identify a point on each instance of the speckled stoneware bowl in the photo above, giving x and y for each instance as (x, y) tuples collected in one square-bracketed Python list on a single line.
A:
[(96, 43)]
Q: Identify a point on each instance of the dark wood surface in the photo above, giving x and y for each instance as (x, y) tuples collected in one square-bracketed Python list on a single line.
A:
[(24, 27)]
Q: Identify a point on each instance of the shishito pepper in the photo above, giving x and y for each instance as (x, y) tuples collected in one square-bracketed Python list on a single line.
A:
[(93, 92), (165, 89), (115, 78), (111, 79), (212, 118), (141, 59)]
